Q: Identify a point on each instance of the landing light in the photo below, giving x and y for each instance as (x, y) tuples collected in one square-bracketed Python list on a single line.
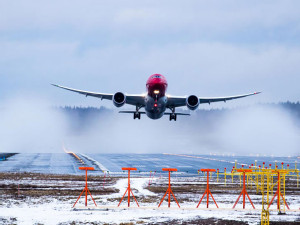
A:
[(156, 92), (155, 105)]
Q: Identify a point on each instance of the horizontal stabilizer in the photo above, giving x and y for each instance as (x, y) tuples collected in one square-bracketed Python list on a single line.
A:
[(131, 112), (179, 114)]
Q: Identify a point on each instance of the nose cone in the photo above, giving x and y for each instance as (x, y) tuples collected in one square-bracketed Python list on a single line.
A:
[(156, 85), (156, 79)]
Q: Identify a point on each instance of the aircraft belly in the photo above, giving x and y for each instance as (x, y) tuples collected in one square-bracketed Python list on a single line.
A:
[(155, 112), (154, 115)]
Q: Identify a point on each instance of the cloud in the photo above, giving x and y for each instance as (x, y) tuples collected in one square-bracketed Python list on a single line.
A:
[(203, 47), (201, 68), (207, 48), (212, 16)]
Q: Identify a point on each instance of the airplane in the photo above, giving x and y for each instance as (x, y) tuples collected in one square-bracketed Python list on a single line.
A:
[(155, 101)]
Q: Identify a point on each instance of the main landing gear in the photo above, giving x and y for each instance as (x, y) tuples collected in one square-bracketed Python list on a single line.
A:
[(173, 116), (137, 114)]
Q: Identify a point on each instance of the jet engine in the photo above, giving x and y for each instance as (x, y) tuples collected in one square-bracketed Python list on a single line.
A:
[(192, 102), (119, 99)]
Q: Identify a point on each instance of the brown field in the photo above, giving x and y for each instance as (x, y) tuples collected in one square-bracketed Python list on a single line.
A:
[(21, 186)]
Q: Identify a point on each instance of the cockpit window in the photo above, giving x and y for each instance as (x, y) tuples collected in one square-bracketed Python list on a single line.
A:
[(156, 76)]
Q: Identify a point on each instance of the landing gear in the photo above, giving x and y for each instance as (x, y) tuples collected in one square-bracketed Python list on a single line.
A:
[(137, 114), (173, 115)]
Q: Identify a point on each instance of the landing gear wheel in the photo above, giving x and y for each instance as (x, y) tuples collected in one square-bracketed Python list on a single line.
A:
[(137, 115), (173, 116)]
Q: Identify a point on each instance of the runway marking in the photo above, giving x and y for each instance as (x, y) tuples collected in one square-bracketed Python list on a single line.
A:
[(199, 157), (73, 154), (99, 165)]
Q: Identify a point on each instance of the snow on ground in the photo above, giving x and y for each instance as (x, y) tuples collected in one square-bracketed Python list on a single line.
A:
[(52, 211), (137, 185), (55, 212)]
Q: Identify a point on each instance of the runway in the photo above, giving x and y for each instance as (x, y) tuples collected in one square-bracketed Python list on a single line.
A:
[(63, 163)]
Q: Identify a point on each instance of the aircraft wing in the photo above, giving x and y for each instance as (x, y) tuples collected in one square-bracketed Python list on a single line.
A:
[(175, 101), (130, 99), (137, 100), (224, 99), (87, 93)]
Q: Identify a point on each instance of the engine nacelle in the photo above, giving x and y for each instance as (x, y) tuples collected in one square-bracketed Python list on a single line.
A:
[(192, 102), (119, 99)]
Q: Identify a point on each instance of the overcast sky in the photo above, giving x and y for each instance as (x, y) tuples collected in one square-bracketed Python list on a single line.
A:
[(207, 48)]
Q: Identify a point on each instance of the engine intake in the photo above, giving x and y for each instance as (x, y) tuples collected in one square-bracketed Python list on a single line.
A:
[(119, 99), (192, 102)]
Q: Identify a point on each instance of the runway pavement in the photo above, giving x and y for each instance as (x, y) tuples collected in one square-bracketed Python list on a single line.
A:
[(63, 163)]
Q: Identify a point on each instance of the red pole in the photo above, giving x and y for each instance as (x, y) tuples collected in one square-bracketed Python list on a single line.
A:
[(86, 190), (244, 190), (153, 176), (207, 187), (207, 191), (85, 187), (128, 188), (279, 192), (169, 190), (104, 179)]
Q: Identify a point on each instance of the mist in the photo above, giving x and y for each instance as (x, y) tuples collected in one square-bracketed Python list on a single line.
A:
[(35, 125), (260, 130), (29, 124)]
